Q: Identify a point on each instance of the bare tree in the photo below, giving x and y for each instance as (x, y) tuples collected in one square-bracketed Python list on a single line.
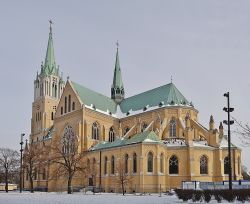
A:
[(68, 159), (33, 158), (244, 131), (123, 178), (9, 164)]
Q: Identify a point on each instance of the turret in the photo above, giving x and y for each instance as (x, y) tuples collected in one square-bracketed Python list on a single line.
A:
[(117, 89), (221, 130), (211, 123)]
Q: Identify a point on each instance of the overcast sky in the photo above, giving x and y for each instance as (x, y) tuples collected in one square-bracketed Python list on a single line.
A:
[(203, 44)]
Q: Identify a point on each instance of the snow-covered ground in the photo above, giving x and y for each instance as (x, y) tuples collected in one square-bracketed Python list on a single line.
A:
[(80, 198)]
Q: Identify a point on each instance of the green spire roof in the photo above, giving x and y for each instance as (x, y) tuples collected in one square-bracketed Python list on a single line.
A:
[(49, 66), (117, 80), (163, 95)]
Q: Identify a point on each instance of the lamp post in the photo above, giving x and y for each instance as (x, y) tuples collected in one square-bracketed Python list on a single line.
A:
[(21, 163), (229, 122)]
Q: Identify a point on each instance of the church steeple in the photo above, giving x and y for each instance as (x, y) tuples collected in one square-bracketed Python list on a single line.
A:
[(49, 82), (49, 66), (117, 88)]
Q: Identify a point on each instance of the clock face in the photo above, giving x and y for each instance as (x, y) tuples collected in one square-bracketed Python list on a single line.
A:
[(38, 107)]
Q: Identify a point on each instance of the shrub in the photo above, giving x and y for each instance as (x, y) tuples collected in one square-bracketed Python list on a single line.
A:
[(197, 196), (184, 194), (242, 195), (207, 195), (228, 195), (217, 196)]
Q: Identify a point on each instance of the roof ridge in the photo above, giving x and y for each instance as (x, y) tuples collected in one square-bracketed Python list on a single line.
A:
[(149, 90), (92, 90)]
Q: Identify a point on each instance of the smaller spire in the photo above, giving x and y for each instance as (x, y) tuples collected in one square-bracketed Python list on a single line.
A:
[(117, 89), (50, 63), (26, 145), (211, 123)]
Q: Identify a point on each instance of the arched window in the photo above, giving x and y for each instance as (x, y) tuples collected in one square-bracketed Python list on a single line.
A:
[(69, 141), (150, 162), (144, 126), (73, 106), (65, 104), (95, 131), (126, 163), (203, 165), (44, 174), (112, 165), (88, 165), (61, 110), (52, 116), (111, 135), (134, 163), (69, 105), (172, 128), (55, 91), (226, 165), (239, 170), (173, 165), (105, 165), (161, 163)]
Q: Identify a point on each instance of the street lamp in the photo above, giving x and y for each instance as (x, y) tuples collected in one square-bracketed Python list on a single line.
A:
[(21, 163), (229, 122)]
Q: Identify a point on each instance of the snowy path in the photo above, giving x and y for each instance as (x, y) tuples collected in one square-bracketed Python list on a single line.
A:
[(80, 198)]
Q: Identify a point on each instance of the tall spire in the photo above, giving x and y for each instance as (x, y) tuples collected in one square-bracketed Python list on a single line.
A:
[(50, 63), (117, 89)]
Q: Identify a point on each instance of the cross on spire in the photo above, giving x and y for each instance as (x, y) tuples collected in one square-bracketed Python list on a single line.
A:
[(50, 23), (117, 44)]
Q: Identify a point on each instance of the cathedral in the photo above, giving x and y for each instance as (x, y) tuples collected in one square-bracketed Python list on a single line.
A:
[(156, 134)]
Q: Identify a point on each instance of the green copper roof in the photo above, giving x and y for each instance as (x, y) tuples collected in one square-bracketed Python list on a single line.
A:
[(167, 95), (138, 138), (97, 100), (117, 79), (49, 66)]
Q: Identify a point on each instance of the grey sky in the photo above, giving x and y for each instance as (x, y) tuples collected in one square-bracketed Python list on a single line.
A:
[(205, 45)]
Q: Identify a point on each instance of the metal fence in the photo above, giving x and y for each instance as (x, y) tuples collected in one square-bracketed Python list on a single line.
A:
[(241, 184)]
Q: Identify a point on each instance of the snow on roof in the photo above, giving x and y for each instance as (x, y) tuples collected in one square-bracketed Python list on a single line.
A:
[(202, 143), (175, 142)]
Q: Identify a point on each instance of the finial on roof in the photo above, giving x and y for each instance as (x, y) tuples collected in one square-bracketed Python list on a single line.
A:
[(50, 27), (67, 78), (171, 79)]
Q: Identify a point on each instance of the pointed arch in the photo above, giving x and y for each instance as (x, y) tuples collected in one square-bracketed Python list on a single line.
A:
[(95, 131), (112, 164), (150, 162), (144, 126), (69, 104), (126, 163), (173, 165), (172, 128), (105, 165), (134, 163), (69, 140), (111, 135), (226, 165), (203, 164), (162, 163)]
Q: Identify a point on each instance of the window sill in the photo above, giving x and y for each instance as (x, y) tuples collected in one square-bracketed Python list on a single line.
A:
[(173, 174)]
